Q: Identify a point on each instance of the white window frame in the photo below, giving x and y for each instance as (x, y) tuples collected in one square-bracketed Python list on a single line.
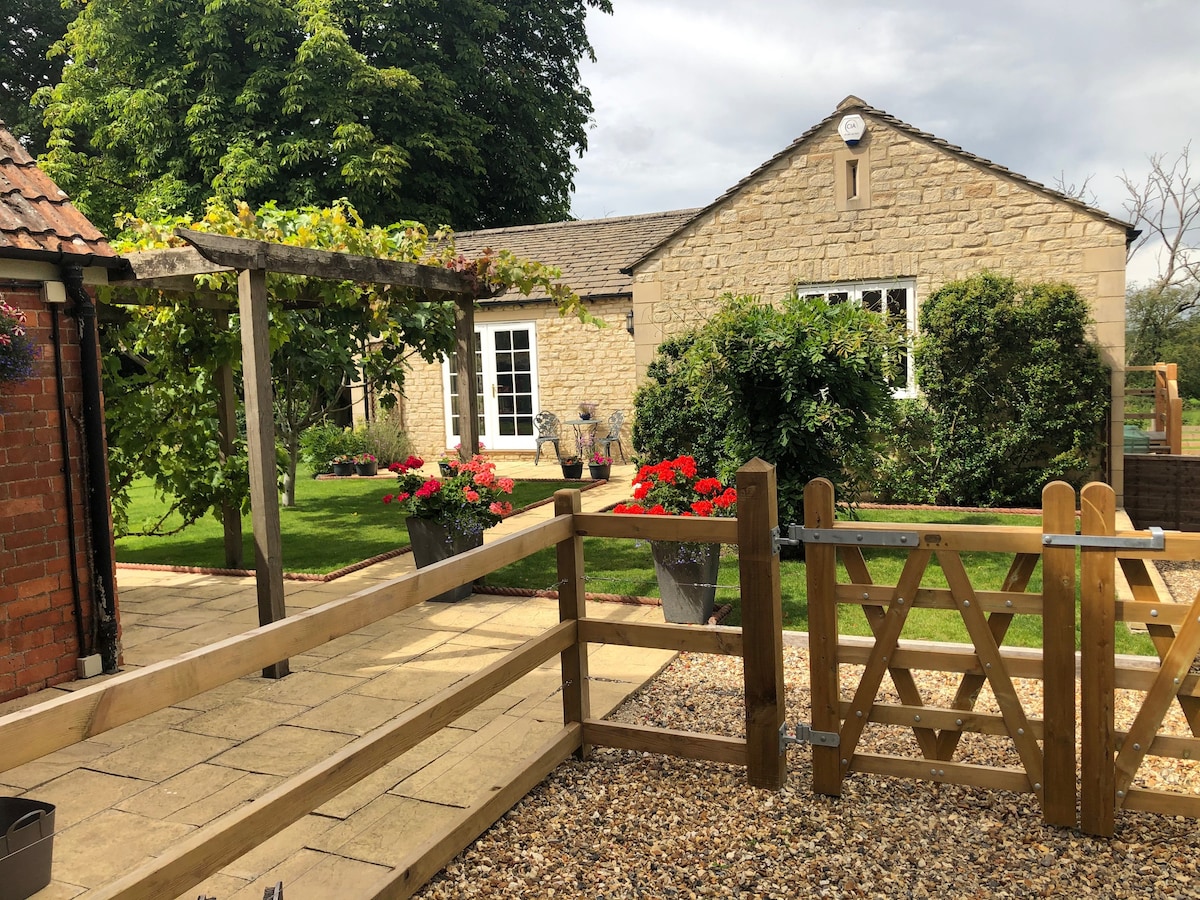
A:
[(492, 440), (853, 291)]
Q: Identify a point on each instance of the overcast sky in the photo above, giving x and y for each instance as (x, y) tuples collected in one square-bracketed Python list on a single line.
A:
[(691, 95)]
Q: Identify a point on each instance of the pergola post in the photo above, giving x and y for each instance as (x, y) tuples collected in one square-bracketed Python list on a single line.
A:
[(260, 443), (231, 516), (468, 400)]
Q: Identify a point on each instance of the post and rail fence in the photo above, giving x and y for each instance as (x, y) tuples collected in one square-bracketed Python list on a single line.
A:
[(1109, 759)]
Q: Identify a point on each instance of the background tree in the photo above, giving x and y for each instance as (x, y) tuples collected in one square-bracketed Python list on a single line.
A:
[(801, 384), (28, 29), (1165, 206), (1014, 396), (463, 112)]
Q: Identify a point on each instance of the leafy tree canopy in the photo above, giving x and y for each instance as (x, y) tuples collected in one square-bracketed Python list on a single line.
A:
[(464, 112), (802, 384), (28, 29), (1015, 396)]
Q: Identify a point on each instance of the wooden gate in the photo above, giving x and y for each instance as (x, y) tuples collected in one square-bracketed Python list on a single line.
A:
[(1047, 762)]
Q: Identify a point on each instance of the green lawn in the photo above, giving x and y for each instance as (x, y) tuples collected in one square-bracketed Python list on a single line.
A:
[(614, 566), (335, 523)]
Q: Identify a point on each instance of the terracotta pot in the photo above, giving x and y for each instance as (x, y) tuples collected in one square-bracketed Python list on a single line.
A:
[(433, 542), (687, 580)]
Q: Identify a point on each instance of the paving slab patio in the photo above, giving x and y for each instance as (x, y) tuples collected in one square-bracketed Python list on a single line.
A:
[(132, 792)]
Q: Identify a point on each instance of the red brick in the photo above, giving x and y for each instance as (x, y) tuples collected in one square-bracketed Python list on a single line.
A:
[(42, 620), (24, 575), (44, 652), (20, 541), (37, 674), (25, 504)]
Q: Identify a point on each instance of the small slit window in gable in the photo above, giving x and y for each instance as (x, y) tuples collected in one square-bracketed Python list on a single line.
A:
[(852, 179)]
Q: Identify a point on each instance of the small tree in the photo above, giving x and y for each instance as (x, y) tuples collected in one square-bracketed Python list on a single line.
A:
[(801, 384), (1015, 395)]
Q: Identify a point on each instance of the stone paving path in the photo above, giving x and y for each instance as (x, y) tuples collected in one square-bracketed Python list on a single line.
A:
[(131, 792)]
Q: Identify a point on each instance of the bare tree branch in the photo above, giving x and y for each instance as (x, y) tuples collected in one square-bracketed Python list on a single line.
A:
[(1166, 207)]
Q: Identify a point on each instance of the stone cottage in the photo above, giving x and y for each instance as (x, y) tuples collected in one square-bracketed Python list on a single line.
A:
[(862, 208), (58, 600)]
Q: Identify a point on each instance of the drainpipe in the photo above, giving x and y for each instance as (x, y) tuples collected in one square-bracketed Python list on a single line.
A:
[(99, 513), (81, 636)]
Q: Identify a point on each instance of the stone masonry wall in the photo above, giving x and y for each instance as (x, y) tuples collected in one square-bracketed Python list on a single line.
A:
[(924, 212), (575, 362), (38, 644)]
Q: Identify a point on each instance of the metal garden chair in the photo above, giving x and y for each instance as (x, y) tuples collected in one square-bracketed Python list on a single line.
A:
[(548, 432), (615, 421)]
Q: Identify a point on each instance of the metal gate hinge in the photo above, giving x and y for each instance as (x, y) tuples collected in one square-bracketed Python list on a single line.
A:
[(1155, 541), (805, 735), (847, 535), (777, 541)]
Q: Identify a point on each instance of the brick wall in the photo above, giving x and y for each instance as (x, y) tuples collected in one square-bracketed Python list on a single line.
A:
[(926, 213), (38, 643)]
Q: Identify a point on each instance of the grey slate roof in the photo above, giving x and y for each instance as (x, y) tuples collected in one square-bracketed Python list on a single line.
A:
[(37, 221), (591, 253), (854, 104)]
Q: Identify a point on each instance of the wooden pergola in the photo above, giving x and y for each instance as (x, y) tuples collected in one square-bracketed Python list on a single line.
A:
[(174, 270)]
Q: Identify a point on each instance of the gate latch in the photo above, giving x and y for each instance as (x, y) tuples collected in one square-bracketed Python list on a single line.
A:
[(805, 735)]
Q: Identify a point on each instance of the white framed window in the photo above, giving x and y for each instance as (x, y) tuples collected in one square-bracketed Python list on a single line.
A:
[(896, 299)]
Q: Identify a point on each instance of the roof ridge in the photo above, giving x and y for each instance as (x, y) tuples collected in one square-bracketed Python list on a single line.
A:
[(571, 223)]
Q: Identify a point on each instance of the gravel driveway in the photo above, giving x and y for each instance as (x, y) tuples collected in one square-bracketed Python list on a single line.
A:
[(624, 825)]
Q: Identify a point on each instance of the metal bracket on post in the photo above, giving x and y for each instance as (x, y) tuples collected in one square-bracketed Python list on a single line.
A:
[(777, 541), (1156, 541), (849, 536), (805, 735)]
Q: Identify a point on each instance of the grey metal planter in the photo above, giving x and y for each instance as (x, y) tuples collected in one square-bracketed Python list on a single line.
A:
[(433, 542), (599, 472), (687, 579)]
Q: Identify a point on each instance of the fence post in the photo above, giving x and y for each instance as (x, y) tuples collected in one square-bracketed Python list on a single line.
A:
[(1058, 659), (762, 624), (572, 605), (820, 562), (1098, 664)]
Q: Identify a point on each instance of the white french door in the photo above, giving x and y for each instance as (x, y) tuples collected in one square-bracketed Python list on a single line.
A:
[(505, 384)]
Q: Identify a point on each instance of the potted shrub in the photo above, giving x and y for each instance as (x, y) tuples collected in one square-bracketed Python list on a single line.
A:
[(572, 467), (342, 465), (587, 410), (445, 517), (365, 464), (686, 572), (444, 467), (599, 466)]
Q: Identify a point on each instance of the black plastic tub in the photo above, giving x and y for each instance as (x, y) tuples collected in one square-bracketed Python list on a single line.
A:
[(26, 846)]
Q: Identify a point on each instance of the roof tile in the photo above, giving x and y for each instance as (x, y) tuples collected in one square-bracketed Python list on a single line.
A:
[(35, 215)]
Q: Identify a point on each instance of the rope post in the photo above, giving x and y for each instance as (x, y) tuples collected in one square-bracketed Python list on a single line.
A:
[(572, 606), (762, 624)]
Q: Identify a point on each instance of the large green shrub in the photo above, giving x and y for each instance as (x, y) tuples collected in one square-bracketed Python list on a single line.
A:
[(801, 384), (386, 439), (321, 443), (1015, 396)]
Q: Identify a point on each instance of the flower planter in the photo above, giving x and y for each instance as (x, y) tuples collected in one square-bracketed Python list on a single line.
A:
[(687, 580), (444, 468), (572, 471), (367, 470), (599, 472), (26, 846), (343, 470), (433, 542)]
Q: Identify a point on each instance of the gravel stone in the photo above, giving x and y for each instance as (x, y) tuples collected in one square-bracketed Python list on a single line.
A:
[(630, 825)]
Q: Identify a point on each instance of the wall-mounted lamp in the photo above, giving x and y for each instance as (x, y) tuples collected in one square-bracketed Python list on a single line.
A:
[(629, 322)]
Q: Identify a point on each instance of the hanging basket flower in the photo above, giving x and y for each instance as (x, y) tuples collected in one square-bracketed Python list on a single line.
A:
[(17, 351)]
